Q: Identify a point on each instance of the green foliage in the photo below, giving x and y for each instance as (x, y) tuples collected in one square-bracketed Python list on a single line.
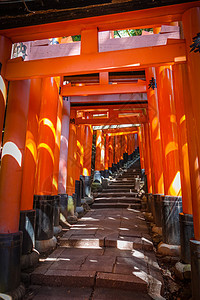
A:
[(130, 32), (76, 38)]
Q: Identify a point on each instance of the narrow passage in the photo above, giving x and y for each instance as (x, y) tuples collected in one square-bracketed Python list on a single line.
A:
[(108, 254)]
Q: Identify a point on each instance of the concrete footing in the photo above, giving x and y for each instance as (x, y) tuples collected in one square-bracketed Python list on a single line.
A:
[(186, 234), (169, 250), (17, 294), (29, 260), (45, 245), (183, 271)]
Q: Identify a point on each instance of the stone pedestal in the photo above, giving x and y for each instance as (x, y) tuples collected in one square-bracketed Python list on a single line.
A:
[(44, 206), (171, 208), (158, 209), (186, 234), (56, 216), (195, 268), (10, 255)]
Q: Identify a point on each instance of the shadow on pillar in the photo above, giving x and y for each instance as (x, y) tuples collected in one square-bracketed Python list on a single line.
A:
[(44, 206)]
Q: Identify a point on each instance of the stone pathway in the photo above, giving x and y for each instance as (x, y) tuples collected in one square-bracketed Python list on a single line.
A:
[(108, 254)]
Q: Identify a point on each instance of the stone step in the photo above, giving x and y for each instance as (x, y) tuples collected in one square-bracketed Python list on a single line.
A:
[(116, 205), (117, 193), (120, 190), (117, 200), (123, 186), (121, 182), (122, 242)]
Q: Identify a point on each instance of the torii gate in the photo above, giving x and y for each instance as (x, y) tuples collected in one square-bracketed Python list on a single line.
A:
[(174, 56)]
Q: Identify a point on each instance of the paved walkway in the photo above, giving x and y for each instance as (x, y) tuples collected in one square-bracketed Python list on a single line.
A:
[(108, 254)]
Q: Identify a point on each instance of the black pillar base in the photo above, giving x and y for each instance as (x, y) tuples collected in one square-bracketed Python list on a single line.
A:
[(106, 173), (186, 234), (56, 216), (27, 226), (158, 209), (63, 206), (10, 254), (82, 179), (114, 168), (44, 206), (195, 268), (87, 186), (97, 177), (171, 208), (78, 187), (125, 157), (149, 195)]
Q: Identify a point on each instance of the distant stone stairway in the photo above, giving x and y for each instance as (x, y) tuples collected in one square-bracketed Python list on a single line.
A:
[(108, 254), (120, 192)]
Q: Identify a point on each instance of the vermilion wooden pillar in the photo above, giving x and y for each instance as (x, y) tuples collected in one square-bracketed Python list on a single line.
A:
[(27, 213), (191, 26), (12, 155), (87, 158), (136, 141), (106, 151), (156, 150), (168, 126), (72, 153), (46, 137), (117, 149), (148, 157), (5, 52), (144, 147), (129, 143), (98, 150), (80, 151), (10, 184), (125, 144), (57, 146), (87, 150), (64, 146), (182, 139), (140, 142), (30, 156), (99, 158), (110, 151)]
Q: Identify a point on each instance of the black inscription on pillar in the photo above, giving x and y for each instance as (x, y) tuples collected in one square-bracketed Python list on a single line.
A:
[(72, 121), (152, 83), (196, 44), (0, 67)]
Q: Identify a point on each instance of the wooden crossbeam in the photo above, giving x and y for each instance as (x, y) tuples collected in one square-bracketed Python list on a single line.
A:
[(127, 98), (104, 89), (117, 130), (112, 121), (97, 62)]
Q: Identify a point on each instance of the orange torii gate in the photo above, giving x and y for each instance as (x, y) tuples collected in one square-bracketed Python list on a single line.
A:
[(172, 59)]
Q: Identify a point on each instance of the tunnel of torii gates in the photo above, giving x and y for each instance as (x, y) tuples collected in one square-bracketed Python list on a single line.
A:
[(48, 132)]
